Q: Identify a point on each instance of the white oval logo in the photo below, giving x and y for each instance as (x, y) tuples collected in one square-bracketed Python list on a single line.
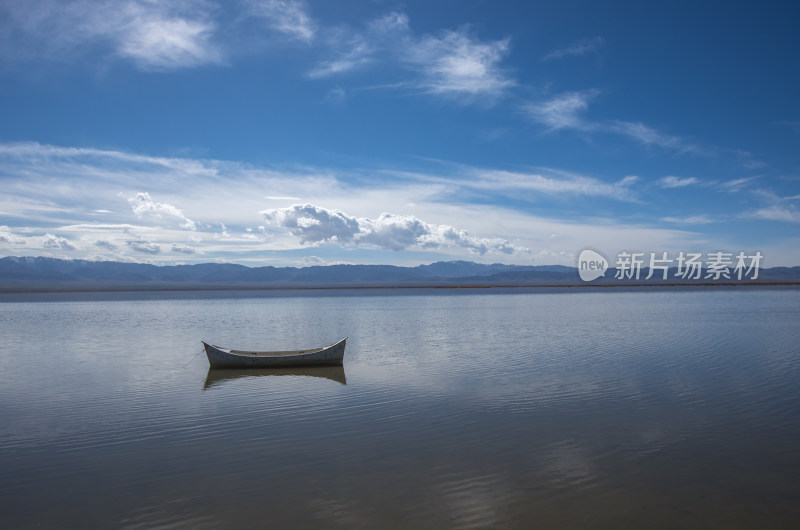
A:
[(591, 265)]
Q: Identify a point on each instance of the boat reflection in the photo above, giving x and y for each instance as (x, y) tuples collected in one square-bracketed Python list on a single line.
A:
[(217, 376)]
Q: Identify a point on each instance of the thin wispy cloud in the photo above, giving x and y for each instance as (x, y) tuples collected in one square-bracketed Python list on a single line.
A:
[(288, 17), (167, 35), (689, 220), (156, 39), (563, 111), (566, 111), (355, 54), (453, 63), (352, 50), (677, 182), (556, 184), (777, 208), (748, 160), (652, 138), (792, 125), (457, 64), (579, 48), (776, 213), (737, 185)]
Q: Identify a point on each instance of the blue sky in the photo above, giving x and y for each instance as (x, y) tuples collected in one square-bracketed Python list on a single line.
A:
[(282, 132)]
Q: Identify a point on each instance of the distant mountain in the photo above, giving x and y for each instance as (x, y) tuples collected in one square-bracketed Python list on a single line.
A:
[(39, 273)]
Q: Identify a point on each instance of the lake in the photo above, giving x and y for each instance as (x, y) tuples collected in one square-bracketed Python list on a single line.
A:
[(467, 408)]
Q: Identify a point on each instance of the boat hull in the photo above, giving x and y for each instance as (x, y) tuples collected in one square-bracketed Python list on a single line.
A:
[(225, 358)]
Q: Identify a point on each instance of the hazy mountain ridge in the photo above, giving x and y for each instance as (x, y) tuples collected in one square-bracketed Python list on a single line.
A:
[(41, 273)]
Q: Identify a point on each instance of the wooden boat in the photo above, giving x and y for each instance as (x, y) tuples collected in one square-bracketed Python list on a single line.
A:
[(225, 358)]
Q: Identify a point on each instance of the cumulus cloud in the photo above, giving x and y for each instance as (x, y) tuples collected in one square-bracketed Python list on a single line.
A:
[(52, 241), (7, 237), (143, 205), (315, 225), (145, 247)]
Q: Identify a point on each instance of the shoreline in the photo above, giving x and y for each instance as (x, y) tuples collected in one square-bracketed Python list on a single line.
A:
[(240, 288)]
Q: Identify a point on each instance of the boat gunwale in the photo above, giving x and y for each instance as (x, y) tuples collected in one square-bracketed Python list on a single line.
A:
[(276, 354)]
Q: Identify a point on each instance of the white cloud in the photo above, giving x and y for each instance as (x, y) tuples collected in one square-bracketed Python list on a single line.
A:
[(52, 241), (355, 53), (158, 39), (145, 247), (315, 225), (174, 34), (580, 48), (563, 111), (776, 213), (289, 17), (651, 137), (183, 249), (161, 35), (453, 212), (737, 185), (452, 64), (691, 220), (748, 160), (281, 198), (778, 208), (353, 50), (677, 182), (106, 244), (458, 64), (562, 183), (143, 205), (7, 237)]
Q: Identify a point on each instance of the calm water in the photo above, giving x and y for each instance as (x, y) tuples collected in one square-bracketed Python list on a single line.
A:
[(473, 409)]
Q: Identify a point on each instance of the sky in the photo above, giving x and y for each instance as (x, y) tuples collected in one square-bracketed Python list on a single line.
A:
[(294, 133)]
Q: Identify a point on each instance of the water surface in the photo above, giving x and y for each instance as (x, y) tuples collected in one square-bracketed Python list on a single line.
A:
[(471, 409)]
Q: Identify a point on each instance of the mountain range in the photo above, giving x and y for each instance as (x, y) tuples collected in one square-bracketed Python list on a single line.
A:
[(47, 274)]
